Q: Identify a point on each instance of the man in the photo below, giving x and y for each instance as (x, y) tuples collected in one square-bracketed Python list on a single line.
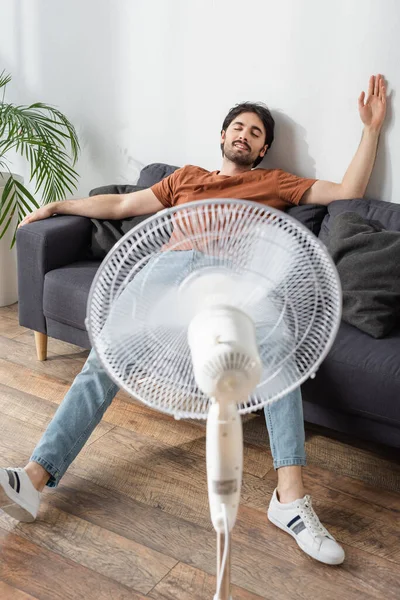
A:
[(247, 133)]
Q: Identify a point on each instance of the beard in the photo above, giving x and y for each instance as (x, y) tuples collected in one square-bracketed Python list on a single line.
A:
[(243, 159)]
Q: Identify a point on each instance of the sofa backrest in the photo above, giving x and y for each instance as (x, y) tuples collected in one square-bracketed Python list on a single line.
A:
[(155, 172)]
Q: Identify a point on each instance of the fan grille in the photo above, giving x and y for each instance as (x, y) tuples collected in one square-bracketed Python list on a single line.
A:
[(286, 282)]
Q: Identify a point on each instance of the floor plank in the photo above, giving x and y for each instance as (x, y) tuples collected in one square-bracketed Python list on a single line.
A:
[(372, 463), (183, 465), (10, 311), (257, 460), (10, 328), (54, 346), (133, 565), (48, 576), (374, 494), (187, 583), (15, 432), (8, 592), (32, 382), (22, 355), (131, 462)]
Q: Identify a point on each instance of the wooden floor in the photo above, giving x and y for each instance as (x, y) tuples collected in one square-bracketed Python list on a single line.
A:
[(130, 519)]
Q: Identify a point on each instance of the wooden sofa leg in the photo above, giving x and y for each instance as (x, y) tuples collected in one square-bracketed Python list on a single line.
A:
[(41, 345)]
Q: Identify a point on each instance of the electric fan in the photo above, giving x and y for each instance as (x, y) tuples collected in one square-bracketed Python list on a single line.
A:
[(210, 310)]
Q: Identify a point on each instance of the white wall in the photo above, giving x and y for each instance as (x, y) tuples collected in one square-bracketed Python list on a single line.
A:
[(151, 80)]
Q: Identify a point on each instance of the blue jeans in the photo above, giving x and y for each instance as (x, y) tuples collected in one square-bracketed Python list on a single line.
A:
[(93, 391)]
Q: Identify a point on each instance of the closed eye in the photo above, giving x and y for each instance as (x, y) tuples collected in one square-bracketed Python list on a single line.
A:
[(255, 133)]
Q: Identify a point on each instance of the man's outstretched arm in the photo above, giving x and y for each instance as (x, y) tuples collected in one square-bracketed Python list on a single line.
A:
[(106, 206), (356, 178)]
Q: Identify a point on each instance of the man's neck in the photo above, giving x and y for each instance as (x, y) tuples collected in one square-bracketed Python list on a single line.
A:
[(230, 168)]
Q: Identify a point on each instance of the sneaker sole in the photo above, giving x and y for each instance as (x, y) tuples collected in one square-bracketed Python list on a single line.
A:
[(314, 555), (13, 509)]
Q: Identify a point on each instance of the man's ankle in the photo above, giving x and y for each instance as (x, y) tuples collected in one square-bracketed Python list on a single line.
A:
[(38, 475), (285, 496), (290, 484)]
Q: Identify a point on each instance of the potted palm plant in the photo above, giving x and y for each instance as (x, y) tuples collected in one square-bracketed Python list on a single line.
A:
[(45, 138)]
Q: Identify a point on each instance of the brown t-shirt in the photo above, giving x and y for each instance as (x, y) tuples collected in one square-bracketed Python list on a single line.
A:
[(272, 187)]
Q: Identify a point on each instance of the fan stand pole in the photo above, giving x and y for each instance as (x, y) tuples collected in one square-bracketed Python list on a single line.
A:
[(226, 582)]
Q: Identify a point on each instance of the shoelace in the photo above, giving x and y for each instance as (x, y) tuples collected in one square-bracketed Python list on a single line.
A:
[(310, 518)]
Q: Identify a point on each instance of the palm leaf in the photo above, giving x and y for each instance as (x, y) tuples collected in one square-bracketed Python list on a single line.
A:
[(14, 199), (48, 159), (26, 193), (4, 79), (5, 228), (4, 196), (8, 202), (48, 141)]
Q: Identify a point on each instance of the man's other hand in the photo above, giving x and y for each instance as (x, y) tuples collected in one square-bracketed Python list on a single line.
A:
[(37, 215)]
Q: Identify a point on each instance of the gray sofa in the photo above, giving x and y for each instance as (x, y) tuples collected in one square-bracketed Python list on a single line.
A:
[(357, 388)]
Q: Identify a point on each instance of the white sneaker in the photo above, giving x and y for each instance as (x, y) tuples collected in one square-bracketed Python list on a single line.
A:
[(18, 496), (298, 518)]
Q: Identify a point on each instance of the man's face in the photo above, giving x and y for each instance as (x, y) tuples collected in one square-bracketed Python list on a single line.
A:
[(244, 140)]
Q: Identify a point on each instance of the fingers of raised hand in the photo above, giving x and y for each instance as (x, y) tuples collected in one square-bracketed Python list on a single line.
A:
[(376, 84), (371, 86), (382, 90)]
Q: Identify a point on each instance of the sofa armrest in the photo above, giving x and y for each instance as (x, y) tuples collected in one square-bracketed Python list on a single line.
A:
[(41, 247)]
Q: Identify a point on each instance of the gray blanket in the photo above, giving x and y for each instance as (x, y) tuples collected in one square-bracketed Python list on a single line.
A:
[(368, 261), (106, 232)]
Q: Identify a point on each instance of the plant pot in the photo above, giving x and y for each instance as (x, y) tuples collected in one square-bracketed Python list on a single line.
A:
[(8, 257)]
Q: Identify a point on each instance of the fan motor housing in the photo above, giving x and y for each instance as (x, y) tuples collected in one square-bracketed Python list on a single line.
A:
[(224, 350)]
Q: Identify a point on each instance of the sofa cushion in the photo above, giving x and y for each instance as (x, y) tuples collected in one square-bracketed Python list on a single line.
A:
[(66, 292), (360, 375)]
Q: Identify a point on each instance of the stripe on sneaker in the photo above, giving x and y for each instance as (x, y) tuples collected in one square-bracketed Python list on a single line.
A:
[(11, 478), (293, 521), (18, 481), (298, 528), (298, 525)]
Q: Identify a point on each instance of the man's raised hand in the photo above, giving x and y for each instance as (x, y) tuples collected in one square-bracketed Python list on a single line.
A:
[(373, 109)]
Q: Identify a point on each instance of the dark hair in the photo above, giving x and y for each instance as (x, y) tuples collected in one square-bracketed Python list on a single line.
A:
[(260, 110)]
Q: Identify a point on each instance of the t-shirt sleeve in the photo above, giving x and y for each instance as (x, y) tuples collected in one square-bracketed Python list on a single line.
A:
[(164, 190), (291, 188)]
